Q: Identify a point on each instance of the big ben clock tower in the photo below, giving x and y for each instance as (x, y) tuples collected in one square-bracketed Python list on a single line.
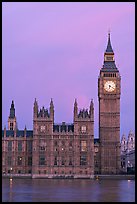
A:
[(109, 85)]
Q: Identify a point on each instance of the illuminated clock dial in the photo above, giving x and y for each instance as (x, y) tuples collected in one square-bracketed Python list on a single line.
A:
[(109, 86)]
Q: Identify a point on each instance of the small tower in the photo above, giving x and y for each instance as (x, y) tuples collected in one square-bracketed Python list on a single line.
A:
[(51, 110), (75, 109), (131, 141), (91, 110), (12, 124), (35, 109), (123, 144)]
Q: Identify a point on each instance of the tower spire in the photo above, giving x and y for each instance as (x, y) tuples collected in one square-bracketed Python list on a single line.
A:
[(12, 110), (75, 109), (35, 109), (109, 59), (109, 47), (52, 110), (12, 124), (91, 110)]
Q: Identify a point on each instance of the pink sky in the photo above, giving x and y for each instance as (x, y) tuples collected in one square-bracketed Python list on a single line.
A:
[(55, 50)]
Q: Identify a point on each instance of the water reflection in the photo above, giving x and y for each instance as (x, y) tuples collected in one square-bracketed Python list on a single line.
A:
[(67, 190), (10, 192)]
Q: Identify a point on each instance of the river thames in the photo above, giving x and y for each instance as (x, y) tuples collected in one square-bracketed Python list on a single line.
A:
[(67, 190)]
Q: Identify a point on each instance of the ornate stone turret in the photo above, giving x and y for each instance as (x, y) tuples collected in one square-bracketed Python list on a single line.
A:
[(12, 124), (35, 109), (12, 110), (123, 144), (131, 141), (51, 110), (91, 110), (75, 109)]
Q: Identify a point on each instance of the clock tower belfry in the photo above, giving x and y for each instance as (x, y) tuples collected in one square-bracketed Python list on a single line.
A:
[(109, 88)]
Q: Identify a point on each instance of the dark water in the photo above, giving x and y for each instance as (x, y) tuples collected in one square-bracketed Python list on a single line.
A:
[(67, 190)]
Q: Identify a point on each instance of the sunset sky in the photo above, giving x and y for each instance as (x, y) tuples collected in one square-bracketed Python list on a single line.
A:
[(56, 50)]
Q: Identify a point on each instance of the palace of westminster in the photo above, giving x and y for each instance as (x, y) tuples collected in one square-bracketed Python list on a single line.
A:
[(70, 150)]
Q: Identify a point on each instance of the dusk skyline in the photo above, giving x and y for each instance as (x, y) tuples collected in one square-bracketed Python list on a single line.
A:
[(56, 50)]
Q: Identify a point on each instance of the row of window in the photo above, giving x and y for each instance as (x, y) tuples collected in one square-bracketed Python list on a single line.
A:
[(109, 75), (56, 149), (42, 146), (18, 171), (83, 143), (29, 146), (42, 160), (19, 161)]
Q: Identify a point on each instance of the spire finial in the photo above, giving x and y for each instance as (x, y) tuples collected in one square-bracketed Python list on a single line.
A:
[(109, 32), (91, 103), (51, 102), (35, 102), (75, 103), (12, 104), (109, 37)]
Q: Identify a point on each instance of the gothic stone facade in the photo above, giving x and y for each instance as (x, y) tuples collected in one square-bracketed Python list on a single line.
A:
[(51, 150), (69, 150)]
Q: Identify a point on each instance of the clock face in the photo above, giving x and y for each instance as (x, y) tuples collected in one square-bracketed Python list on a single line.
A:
[(109, 86)]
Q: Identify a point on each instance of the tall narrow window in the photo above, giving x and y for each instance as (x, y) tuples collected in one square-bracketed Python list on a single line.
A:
[(29, 161), (84, 146), (83, 129), (9, 161), (42, 146), (63, 161), (29, 146), (55, 161), (19, 161), (70, 146), (83, 160), (70, 161), (20, 146), (11, 126), (9, 146), (42, 160), (55, 143)]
